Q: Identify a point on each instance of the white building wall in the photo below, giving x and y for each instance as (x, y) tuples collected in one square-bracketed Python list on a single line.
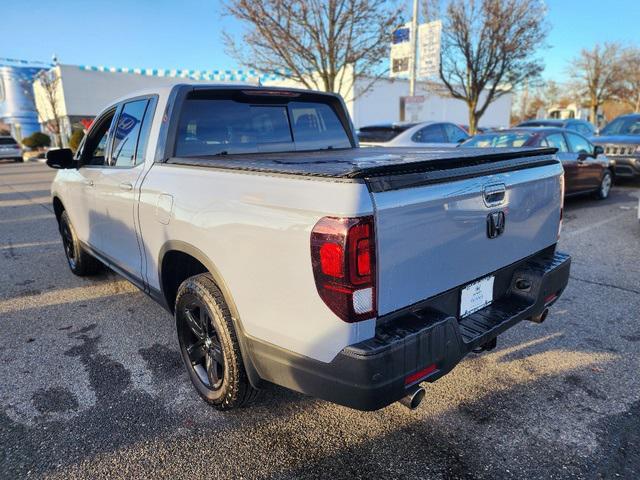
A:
[(381, 104), (87, 92)]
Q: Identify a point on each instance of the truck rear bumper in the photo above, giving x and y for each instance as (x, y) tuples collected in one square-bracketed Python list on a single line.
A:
[(421, 343)]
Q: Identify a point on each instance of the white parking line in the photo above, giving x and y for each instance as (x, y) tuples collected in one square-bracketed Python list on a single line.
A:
[(593, 225)]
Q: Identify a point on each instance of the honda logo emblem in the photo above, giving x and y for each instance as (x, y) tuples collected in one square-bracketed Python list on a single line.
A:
[(495, 224)]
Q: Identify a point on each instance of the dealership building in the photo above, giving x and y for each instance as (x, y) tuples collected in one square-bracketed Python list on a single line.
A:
[(83, 91), (18, 114)]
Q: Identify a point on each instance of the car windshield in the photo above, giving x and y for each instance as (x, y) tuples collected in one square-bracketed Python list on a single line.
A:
[(7, 141), (623, 126), (498, 140), (382, 133), (226, 127)]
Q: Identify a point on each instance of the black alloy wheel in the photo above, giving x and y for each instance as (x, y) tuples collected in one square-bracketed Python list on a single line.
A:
[(80, 261), (68, 244), (209, 344), (202, 343)]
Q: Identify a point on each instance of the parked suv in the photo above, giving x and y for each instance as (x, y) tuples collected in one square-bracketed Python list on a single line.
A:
[(621, 142), (10, 149), (581, 126)]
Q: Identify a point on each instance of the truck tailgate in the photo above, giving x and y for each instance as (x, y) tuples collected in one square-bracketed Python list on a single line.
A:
[(433, 232)]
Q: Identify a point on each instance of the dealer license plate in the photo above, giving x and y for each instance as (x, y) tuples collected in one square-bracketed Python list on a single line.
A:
[(476, 296)]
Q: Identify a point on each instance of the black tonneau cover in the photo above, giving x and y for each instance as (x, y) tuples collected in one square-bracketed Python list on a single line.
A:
[(383, 168), (362, 162)]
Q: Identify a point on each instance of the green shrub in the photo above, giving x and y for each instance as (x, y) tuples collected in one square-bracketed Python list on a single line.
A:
[(36, 140), (76, 137)]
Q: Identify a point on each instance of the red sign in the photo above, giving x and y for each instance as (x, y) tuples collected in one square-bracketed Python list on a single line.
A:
[(86, 123)]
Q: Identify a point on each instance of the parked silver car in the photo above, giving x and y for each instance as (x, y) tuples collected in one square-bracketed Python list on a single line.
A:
[(10, 149), (406, 134)]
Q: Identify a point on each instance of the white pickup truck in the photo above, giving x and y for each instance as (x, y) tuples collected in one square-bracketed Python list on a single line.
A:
[(289, 255)]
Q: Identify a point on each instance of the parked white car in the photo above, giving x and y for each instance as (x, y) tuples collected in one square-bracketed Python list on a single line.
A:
[(10, 149), (407, 134), (289, 255)]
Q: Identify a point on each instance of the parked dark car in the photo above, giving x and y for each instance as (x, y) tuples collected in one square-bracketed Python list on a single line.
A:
[(621, 142), (586, 168), (581, 126)]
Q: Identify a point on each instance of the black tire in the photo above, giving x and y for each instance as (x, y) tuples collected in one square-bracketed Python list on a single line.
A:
[(605, 185), (80, 261), (18, 160), (209, 344)]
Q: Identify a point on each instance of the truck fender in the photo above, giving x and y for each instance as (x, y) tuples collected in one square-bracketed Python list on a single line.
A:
[(245, 351)]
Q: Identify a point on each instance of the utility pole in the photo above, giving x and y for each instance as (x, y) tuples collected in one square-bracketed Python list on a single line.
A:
[(414, 49)]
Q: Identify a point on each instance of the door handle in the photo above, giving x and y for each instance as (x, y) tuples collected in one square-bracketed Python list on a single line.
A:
[(126, 186)]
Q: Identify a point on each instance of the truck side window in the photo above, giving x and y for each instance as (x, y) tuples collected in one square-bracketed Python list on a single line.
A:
[(125, 138), (95, 145), (429, 134)]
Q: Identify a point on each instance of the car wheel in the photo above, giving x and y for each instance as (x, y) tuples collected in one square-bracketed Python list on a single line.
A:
[(18, 160), (209, 344), (80, 261), (605, 185)]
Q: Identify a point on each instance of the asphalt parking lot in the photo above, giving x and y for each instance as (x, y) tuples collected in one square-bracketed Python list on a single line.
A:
[(93, 386)]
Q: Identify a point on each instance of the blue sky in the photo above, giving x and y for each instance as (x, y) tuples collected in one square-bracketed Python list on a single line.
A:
[(187, 33)]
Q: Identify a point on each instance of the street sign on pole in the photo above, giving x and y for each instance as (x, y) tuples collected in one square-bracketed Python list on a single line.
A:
[(411, 108), (400, 61), (429, 48)]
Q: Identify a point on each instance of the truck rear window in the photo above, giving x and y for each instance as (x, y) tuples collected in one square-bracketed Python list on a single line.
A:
[(227, 127)]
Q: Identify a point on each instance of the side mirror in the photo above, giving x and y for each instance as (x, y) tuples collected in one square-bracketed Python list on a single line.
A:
[(598, 150), (60, 158), (583, 155)]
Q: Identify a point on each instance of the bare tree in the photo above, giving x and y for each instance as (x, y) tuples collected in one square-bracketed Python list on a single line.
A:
[(488, 49), (598, 75), (431, 10), (629, 92), (324, 45), (49, 81)]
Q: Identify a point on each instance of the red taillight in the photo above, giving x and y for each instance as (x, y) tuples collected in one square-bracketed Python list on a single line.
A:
[(331, 255), (363, 258), (343, 259)]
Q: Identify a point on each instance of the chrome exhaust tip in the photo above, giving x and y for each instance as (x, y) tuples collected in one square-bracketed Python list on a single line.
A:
[(540, 318), (414, 399)]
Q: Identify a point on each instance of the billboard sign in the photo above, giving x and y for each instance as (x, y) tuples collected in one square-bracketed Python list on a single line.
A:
[(429, 36)]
